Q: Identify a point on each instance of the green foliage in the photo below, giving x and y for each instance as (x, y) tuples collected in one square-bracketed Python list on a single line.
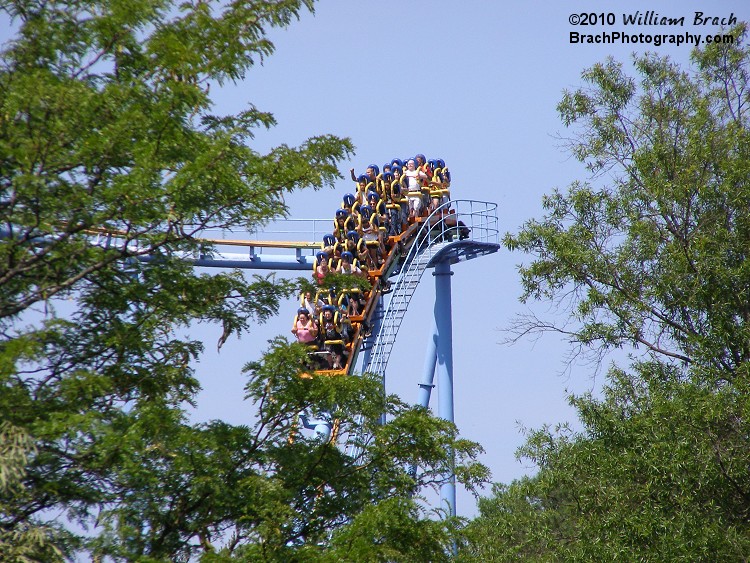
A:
[(24, 542), (333, 282), (105, 123), (651, 252), (273, 492), (659, 473)]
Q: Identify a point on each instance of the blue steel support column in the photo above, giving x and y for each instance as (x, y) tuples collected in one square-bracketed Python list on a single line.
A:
[(443, 322), (428, 376), (428, 371)]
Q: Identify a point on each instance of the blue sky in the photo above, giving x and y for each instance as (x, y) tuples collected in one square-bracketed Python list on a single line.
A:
[(475, 83)]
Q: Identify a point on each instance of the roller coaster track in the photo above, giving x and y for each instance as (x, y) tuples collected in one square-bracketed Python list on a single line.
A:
[(458, 230)]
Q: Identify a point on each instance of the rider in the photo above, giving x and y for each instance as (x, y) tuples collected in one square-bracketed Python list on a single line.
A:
[(304, 328), (414, 178)]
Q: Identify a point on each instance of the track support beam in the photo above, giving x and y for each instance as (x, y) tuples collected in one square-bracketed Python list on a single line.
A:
[(444, 326)]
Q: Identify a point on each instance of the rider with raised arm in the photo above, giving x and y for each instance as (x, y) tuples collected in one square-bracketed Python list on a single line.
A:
[(414, 179)]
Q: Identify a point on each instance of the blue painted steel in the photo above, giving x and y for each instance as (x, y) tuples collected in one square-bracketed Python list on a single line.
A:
[(257, 262), (428, 371), (428, 376), (443, 322)]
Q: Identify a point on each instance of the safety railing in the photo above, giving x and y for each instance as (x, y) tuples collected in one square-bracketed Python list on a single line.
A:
[(458, 223)]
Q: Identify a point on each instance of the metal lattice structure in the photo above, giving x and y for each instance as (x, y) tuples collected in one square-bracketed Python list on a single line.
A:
[(469, 232), (456, 231)]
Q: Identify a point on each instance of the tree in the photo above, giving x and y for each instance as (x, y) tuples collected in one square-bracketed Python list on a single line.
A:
[(650, 253), (24, 542), (658, 473), (273, 493), (113, 161)]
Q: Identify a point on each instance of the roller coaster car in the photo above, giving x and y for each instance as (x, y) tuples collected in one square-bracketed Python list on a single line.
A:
[(396, 247), (455, 227), (361, 327), (352, 301)]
